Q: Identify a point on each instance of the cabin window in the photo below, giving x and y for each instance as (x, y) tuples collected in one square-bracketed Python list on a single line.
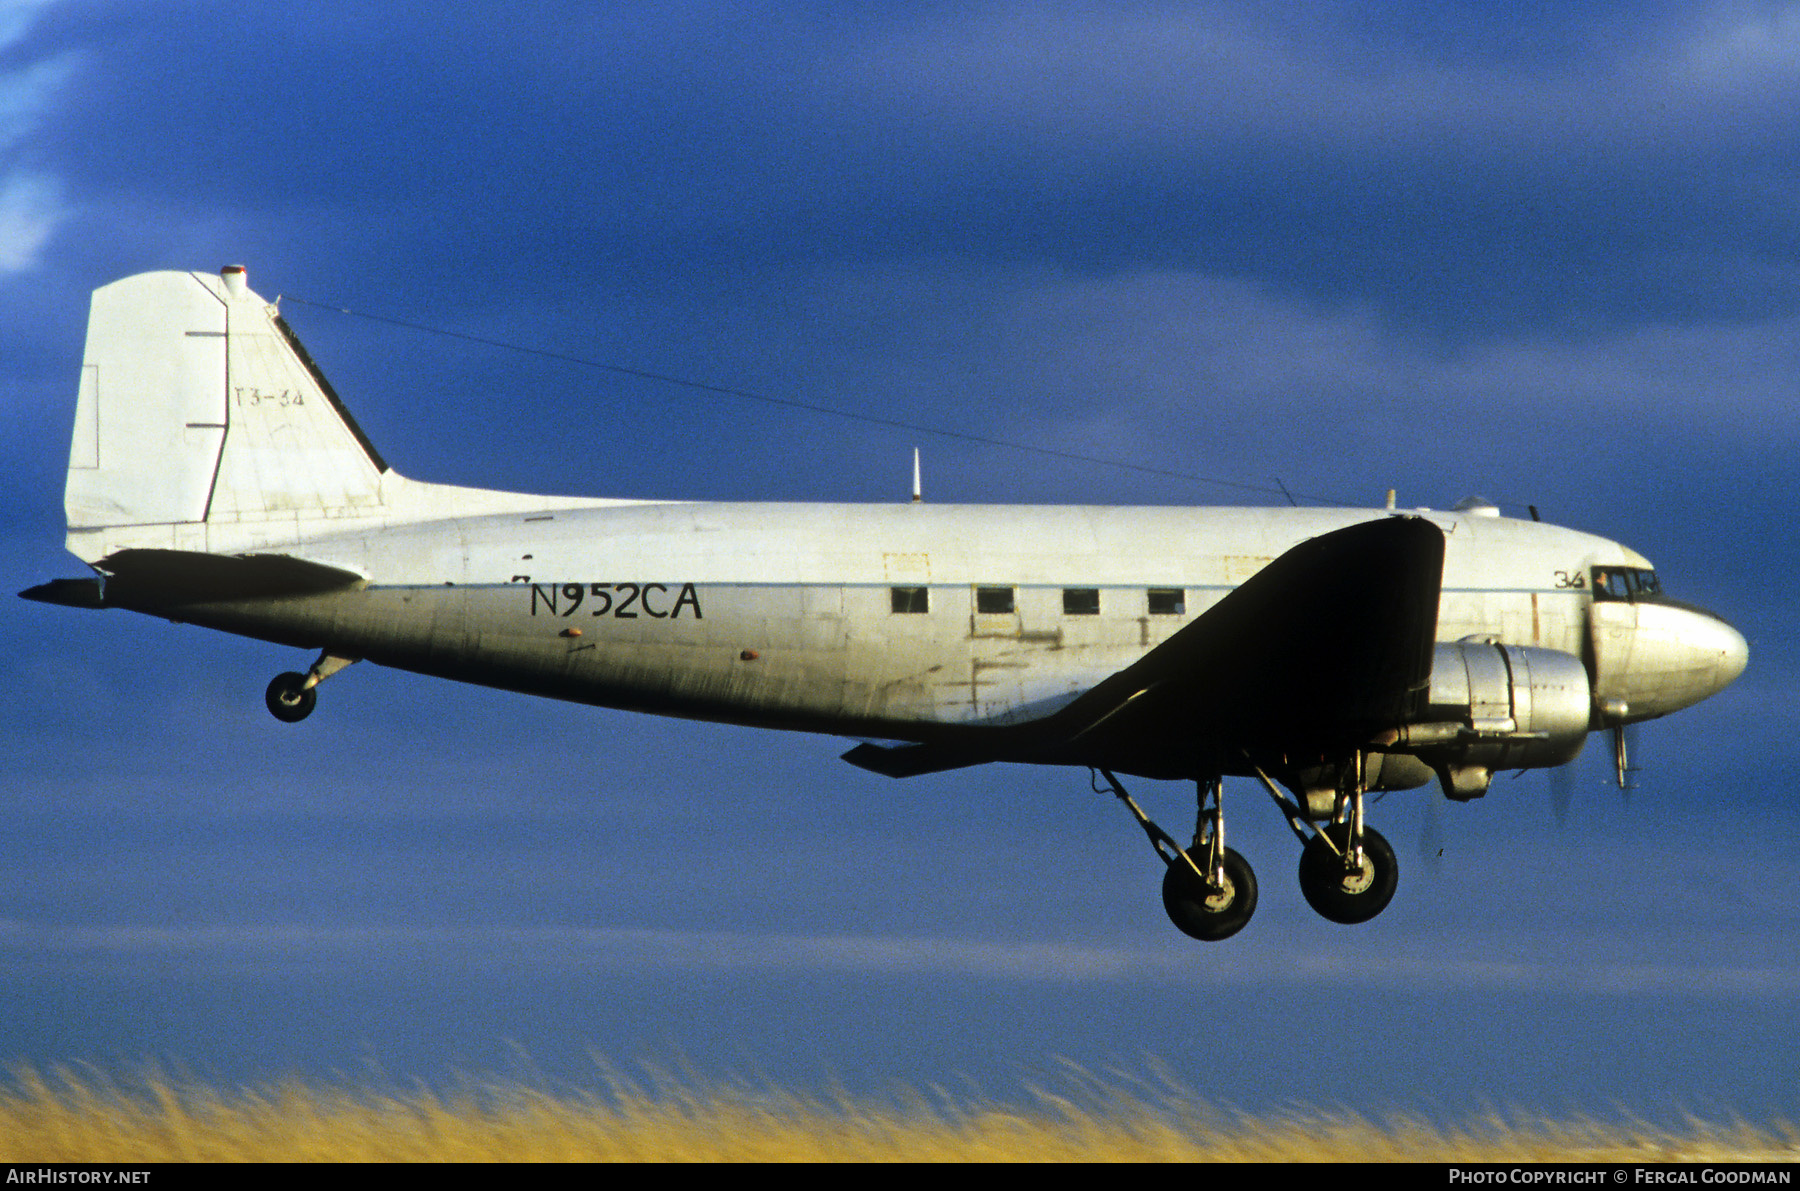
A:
[(994, 600), (1081, 601), (1168, 601), (911, 599)]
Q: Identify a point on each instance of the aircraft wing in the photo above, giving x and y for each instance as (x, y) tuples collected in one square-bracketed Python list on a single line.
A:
[(1325, 646)]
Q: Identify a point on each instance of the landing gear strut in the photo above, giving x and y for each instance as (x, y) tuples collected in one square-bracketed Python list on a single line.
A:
[(1208, 890), (1348, 872), (291, 697)]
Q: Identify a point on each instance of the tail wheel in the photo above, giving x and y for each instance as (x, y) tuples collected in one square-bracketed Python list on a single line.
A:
[(1344, 893), (290, 700), (1203, 911)]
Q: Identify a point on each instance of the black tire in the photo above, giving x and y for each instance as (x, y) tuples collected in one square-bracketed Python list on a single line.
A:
[(1201, 913), (290, 700), (1348, 897)]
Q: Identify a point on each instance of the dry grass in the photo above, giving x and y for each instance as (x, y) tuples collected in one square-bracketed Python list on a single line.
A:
[(67, 1115)]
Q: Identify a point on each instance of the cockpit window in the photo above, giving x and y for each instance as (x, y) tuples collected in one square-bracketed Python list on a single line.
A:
[(1625, 583)]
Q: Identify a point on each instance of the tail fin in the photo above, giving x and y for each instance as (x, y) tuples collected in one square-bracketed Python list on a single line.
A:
[(198, 409)]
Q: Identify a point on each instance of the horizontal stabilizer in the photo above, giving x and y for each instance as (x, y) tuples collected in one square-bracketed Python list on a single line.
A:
[(172, 578), (911, 760), (70, 593)]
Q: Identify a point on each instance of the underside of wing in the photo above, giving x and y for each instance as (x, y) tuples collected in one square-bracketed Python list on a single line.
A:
[(1319, 650), (1326, 645)]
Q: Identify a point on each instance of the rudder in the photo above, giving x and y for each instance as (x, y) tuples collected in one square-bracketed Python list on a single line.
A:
[(199, 408)]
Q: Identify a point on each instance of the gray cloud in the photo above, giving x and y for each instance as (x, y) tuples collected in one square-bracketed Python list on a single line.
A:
[(1456, 967), (1177, 77), (1108, 359), (31, 199)]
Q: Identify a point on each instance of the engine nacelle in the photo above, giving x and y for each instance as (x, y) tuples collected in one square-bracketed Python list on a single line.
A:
[(1490, 707), (1496, 706), (1316, 786)]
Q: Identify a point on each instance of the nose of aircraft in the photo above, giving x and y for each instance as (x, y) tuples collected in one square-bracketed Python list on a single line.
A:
[(1734, 654), (1680, 656)]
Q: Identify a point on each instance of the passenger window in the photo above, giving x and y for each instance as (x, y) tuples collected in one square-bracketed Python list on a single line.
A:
[(1168, 601), (911, 599), (1081, 601), (994, 599)]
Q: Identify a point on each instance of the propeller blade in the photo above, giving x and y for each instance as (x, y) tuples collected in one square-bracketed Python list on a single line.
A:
[(1431, 834), (1562, 791), (1625, 746)]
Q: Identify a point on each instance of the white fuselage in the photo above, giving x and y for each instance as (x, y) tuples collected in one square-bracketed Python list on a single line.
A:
[(785, 615)]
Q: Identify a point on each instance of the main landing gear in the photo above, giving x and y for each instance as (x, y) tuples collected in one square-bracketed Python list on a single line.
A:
[(291, 697), (1348, 872), (1209, 891)]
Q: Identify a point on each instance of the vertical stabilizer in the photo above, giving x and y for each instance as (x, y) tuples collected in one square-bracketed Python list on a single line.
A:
[(199, 408)]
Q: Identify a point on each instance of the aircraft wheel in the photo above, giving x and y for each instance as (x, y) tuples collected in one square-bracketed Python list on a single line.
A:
[(290, 700), (1205, 913), (1354, 896)]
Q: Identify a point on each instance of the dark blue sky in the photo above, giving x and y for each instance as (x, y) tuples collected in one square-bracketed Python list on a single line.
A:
[(1548, 255)]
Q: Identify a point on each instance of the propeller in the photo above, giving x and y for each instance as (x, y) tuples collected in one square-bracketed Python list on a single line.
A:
[(1625, 747), (1564, 779), (1562, 791), (1431, 834), (1624, 736), (1431, 829)]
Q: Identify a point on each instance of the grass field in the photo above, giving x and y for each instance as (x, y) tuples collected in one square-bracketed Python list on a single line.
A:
[(68, 1115)]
